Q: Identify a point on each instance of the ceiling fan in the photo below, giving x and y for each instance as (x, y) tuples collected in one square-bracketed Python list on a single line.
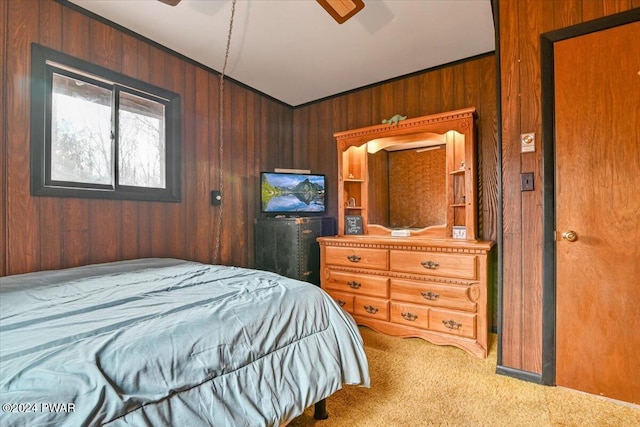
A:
[(340, 10)]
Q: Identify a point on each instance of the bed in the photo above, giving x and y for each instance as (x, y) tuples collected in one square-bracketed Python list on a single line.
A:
[(169, 342)]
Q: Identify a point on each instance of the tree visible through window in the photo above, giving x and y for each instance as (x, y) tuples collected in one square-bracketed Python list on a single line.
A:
[(141, 142), (96, 133)]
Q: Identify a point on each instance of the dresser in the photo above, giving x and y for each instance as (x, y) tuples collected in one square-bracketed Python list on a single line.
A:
[(435, 289), (413, 267), (288, 246)]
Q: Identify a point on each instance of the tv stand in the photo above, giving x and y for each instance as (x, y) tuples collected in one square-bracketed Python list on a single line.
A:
[(288, 246)]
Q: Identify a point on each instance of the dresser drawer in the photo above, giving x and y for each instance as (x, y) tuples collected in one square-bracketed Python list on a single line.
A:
[(359, 284), (344, 300), (375, 308), (376, 259), (410, 315), (451, 322), (433, 294), (434, 264)]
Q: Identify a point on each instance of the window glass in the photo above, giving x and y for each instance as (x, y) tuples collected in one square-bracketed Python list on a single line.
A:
[(142, 142), (81, 144)]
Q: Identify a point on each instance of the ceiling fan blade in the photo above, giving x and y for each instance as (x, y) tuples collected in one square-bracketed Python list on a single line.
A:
[(170, 2), (341, 10)]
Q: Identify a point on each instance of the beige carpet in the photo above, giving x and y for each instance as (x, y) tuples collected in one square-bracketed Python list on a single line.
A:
[(415, 383)]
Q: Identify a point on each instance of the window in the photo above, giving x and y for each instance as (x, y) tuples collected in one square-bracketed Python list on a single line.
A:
[(99, 134)]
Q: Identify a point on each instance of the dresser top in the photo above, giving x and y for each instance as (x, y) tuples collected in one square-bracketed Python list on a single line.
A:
[(407, 243)]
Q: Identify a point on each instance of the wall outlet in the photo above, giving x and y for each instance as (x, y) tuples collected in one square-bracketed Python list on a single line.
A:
[(216, 198)]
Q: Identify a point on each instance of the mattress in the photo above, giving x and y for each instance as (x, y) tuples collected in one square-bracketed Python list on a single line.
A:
[(169, 342)]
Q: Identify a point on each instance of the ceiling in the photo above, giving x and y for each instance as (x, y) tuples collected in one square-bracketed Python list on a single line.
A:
[(295, 52)]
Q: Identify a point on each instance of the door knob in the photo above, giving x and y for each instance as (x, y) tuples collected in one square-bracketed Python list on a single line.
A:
[(570, 236)]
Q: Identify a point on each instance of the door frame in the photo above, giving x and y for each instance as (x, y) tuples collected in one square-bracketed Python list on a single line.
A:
[(547, 41)]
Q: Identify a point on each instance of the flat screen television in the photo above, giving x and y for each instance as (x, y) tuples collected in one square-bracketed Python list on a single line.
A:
[(292, 193)]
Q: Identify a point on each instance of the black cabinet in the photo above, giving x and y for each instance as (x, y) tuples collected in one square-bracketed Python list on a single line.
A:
[(288, 246)]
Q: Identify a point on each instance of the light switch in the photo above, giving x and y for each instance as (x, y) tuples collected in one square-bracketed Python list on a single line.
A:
[(526, 181)]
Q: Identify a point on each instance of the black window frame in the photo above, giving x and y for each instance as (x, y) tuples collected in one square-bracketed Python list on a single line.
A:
[(44, 63)]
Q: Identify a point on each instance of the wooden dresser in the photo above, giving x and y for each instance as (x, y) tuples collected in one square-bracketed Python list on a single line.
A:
[(406, 260), (428, 288)]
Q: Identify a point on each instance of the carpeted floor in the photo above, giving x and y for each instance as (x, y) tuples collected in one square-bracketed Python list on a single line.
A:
[(415, 383)]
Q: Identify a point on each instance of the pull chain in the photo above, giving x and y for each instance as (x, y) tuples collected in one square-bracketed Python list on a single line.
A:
[(216, 247)]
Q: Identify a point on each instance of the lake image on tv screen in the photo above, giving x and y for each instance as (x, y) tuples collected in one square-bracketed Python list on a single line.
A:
[(292, 193)]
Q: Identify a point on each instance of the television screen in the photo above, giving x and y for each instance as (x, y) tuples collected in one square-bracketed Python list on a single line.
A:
[(292, 193)]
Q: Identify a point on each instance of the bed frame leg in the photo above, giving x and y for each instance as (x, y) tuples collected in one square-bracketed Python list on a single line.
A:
[(320, 410)]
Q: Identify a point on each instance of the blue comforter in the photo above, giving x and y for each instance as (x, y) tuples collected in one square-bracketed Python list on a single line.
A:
[(169, 342)]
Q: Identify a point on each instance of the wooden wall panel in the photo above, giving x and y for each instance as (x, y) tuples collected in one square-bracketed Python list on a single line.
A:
[(511, 205), (22, 224), (520, 26), (201, 166), (3, 137), (39, 232), (213, 124), (236, 143), (252, 151)]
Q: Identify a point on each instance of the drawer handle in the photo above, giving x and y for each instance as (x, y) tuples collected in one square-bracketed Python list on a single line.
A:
[(341, 303), (354, 258), (307, 231), (430, 265), (451, 324), (410, 317), (370, 309), (431, 296), (354, 285)]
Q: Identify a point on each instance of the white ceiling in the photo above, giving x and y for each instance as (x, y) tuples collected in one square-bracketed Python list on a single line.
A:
[(293, 51)]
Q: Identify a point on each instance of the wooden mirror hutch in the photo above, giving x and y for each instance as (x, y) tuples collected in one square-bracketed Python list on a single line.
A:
[(405, 261)]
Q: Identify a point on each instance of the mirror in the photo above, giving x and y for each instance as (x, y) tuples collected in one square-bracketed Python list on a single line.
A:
[(413, 179), (408, 181)]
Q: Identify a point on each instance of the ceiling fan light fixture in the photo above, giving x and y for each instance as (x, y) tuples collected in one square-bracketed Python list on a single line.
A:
[(170, 2), (341, 10)]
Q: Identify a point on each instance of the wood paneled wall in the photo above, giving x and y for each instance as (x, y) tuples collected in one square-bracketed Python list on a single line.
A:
[(42, 233), (520, 25)]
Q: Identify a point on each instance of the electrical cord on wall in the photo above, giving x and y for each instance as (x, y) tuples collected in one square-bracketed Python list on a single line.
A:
[(218, 236)]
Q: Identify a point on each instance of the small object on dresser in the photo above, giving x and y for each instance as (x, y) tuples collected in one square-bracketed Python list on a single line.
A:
[(459, 232), (353, 224), (351, 202)]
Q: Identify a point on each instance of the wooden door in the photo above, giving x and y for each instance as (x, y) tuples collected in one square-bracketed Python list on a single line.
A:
[(597, 120)]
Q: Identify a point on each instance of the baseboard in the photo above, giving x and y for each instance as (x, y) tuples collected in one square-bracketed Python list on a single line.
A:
[(519, 374)]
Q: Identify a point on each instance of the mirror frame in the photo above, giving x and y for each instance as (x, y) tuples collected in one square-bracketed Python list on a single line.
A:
[(460, 182)]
